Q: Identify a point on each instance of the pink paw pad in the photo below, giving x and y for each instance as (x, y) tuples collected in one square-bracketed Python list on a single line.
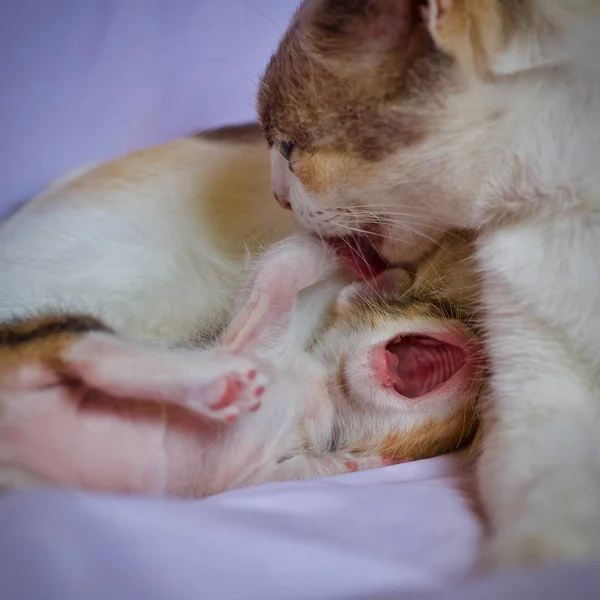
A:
[(229, 395), (236, 393), (351, 465)]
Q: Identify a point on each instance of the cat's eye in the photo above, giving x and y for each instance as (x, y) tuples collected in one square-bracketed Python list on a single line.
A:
[(285, 149)]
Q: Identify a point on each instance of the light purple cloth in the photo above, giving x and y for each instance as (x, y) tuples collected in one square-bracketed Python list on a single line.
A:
[(403, 532), (86, 80), (400, 528)]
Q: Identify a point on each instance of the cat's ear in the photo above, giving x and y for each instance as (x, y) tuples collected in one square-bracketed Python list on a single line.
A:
[(471, 31), (360, 27)]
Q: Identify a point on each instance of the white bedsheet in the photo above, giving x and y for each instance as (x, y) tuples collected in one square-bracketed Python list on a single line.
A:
[(407, 527), (406, 532)]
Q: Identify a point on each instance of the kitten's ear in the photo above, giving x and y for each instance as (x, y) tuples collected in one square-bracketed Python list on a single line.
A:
[(361, 26), (471, 31)]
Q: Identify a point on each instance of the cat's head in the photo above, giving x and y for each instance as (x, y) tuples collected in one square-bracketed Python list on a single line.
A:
[(387, 116)]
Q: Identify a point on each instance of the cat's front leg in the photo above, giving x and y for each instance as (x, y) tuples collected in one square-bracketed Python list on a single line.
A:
[(540, 468), (539, 471)]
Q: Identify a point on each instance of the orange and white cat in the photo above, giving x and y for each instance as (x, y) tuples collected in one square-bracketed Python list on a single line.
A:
[(400, 119)]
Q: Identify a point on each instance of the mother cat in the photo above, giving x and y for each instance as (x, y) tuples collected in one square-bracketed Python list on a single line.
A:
[(481, 114)]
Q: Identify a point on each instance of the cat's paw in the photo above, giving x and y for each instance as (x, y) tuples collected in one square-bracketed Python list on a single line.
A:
[(557, 542), (234, 392), (355, 463)]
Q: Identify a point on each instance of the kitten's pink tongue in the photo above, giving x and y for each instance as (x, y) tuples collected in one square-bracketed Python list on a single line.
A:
[(418, 365)]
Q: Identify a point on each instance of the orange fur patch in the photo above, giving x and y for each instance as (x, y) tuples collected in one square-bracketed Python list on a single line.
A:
[(435, 437), (32, 348)]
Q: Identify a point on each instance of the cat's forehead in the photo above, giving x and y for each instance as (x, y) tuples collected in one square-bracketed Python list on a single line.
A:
[(315, 93)]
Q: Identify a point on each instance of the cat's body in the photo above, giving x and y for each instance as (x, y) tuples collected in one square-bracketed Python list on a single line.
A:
[(154, 243), (392, 375), (481, 114)]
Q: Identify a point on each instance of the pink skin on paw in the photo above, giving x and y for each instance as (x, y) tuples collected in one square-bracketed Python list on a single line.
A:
[(229, 395), (351, 465), (234, 395)]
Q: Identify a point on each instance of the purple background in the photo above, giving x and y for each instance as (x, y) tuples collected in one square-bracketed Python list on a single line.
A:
[(85, 80)]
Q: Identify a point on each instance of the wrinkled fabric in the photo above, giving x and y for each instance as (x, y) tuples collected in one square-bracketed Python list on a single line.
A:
[(407, 527)]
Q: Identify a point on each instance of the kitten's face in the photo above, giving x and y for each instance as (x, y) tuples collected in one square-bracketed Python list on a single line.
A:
[(374, 129), (407, 358)]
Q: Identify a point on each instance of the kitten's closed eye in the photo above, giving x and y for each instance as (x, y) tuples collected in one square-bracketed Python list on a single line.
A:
[(286, 148)]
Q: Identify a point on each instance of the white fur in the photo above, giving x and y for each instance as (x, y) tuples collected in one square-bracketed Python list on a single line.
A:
[(137, 248), (517, 157), (540, 470)]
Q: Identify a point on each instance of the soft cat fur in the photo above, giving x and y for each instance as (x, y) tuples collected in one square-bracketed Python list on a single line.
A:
[(404, 118), (394, 376), (153, 243)]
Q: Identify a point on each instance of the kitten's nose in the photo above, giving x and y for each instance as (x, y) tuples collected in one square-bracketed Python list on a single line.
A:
[(282, 202)]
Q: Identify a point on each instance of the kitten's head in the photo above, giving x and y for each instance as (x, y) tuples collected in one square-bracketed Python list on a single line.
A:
[(385, 116), (406, 356)]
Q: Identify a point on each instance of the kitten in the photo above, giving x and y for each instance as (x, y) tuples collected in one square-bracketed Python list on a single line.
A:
[(393, 374), (400, 119)]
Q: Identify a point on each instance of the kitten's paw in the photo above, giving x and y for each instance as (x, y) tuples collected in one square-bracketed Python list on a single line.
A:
[(232, 394), (558, 542), (214, 384), (327, 464), (355, 463)]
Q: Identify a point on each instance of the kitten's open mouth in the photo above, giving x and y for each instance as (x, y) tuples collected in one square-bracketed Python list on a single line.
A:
[(360, 254), (416, 365)]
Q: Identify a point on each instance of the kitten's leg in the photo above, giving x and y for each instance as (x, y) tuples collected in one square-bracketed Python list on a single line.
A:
[(327, 464), (216, 385), (221, 383), (64, 420), (287, 268)]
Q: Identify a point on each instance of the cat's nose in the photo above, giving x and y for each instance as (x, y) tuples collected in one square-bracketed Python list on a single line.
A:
[(282, 202)]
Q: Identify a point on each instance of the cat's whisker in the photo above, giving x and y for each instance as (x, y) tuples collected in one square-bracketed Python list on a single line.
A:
[(384, 235)]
